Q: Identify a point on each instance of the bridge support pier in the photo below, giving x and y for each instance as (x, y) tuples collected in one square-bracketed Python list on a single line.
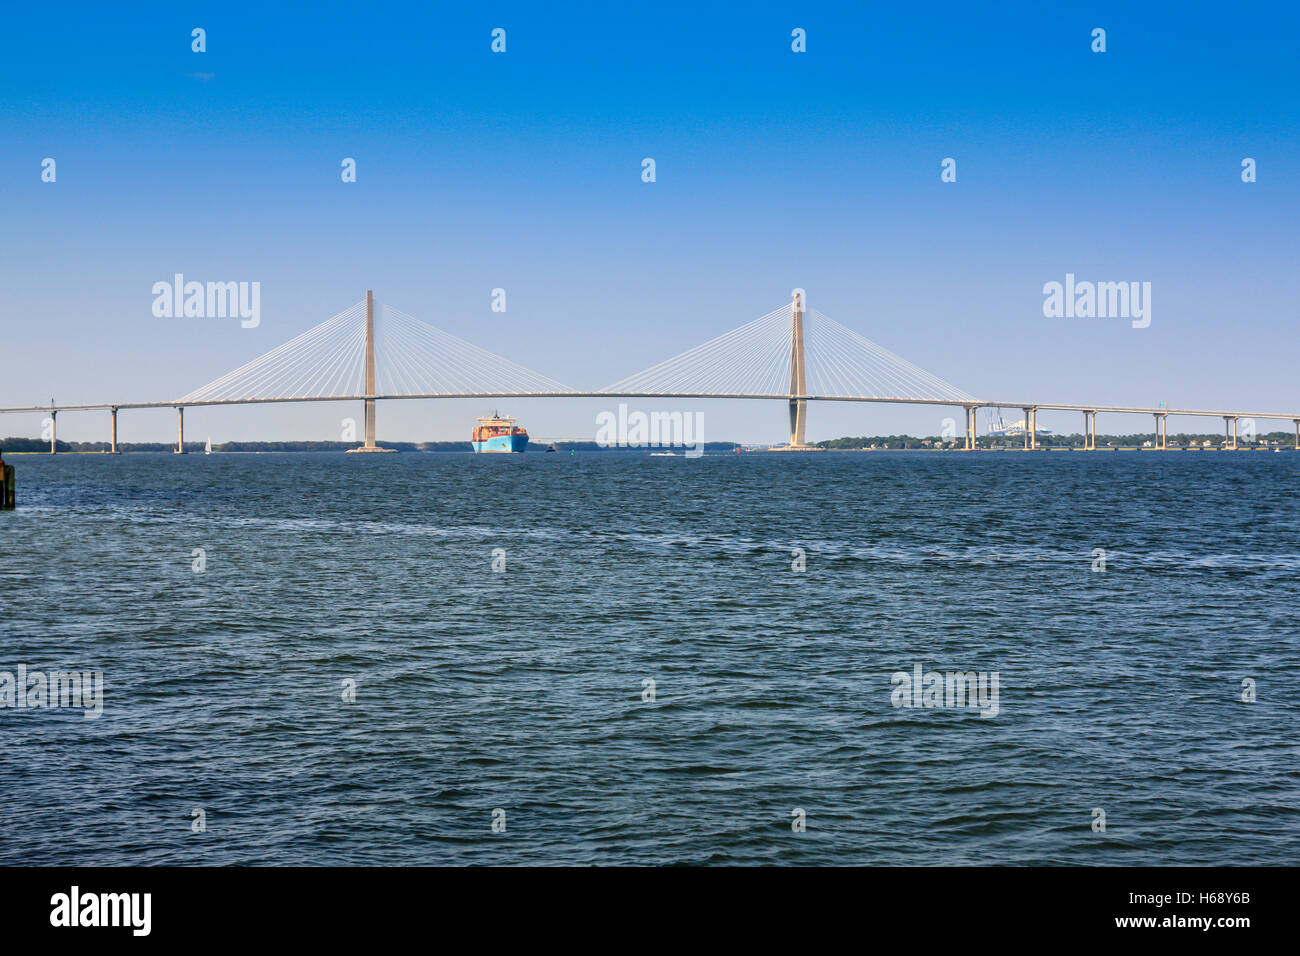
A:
[(180, 430), (370, 368), (798, 376), (971, 416), (1033, 429), (1028, 413), (1297, 434), (54, 431), (1158, 443), (112, 449), (1230, 432), (370, 379), (1161, 442)]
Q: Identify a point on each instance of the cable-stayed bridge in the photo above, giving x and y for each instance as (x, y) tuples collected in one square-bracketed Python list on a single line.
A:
[(373, 352)]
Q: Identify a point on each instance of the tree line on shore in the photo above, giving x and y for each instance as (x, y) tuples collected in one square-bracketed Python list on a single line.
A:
[(20, 445), (1277, 439)]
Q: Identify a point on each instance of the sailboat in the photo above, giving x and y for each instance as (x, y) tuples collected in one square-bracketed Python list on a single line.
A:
[(207, 449)]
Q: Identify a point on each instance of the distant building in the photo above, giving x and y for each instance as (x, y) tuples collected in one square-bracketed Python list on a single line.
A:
[(1001, 429)]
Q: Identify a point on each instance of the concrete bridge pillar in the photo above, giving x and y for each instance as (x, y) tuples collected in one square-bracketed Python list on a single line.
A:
[(1162, 432), (112, 450), (798, 375), (369, 401), (180, 430), (1157, 444), (1028, 414), (54, 431), (370, 369)]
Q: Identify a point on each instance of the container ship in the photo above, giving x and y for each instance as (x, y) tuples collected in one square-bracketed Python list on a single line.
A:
[(498, 434)]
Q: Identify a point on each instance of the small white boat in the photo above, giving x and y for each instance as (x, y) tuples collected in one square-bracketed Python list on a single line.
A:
[(207, 449)]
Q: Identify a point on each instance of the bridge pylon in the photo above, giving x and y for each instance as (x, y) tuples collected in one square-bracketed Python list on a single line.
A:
[(798, 374), (370, 379), (798, 380)]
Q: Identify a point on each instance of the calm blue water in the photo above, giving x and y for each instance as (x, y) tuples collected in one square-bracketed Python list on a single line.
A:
[(522, 690)]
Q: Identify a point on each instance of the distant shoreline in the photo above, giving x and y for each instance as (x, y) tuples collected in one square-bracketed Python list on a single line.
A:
[(1273, 441)]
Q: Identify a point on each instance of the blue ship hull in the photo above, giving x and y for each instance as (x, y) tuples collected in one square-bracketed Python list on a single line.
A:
[(502, 443)]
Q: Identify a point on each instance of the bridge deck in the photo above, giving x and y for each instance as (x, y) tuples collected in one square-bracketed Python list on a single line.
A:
[(783, 397)]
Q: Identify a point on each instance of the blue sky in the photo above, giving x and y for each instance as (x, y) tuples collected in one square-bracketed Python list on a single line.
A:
[(774, 170)]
